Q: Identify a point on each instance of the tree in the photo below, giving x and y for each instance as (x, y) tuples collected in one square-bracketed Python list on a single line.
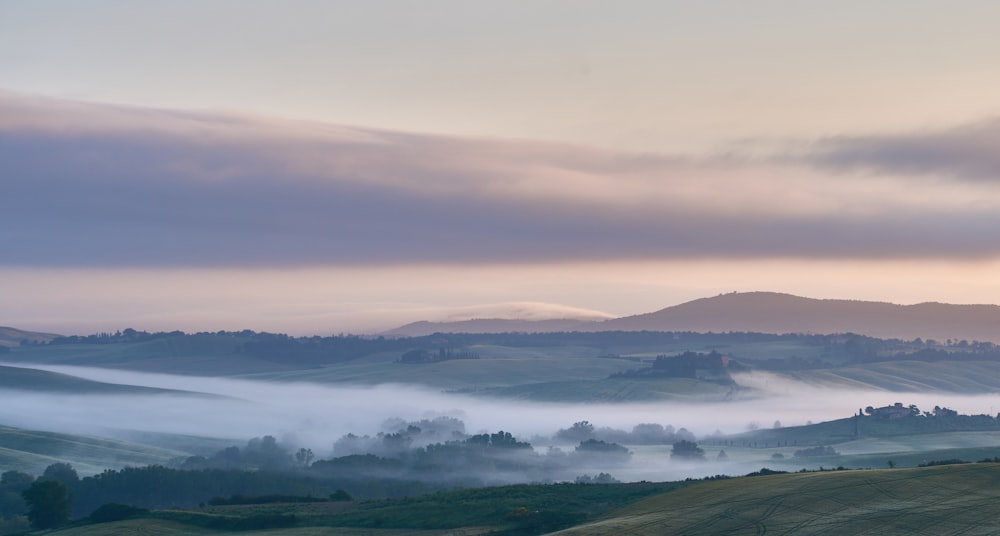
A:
[(580, 431), (49, 503), (62, 473), (304, 456), (687, 450)]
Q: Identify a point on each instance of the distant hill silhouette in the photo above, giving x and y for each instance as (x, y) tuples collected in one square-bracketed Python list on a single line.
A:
[(769, 312), (490, 325), (13, 336)]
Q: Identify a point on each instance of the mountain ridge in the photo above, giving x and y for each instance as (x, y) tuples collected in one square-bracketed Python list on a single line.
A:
[(766, 312)]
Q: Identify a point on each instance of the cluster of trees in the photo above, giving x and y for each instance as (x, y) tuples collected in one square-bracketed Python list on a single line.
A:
[(259, 454), (641, 434), (416, 357), (40, 503), (687, 451), (712, 367), (815, 452), (435, 451)]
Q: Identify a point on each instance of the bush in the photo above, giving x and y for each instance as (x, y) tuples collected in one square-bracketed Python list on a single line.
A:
[(115, 512)]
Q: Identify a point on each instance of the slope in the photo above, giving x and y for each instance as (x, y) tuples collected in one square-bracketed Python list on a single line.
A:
[(943, 500)]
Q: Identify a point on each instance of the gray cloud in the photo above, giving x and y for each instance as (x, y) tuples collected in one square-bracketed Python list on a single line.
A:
[(96, 185), (970, 152)]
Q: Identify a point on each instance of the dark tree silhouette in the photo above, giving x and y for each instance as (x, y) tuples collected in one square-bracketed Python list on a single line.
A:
[(686, 450), (49, 504), (62, 473)]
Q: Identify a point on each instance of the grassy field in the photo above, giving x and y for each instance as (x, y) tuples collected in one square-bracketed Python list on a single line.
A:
[(512, 510), (910, 376), (940, 501), (32, 451), (517, 366), (530, 372), (159, 527), (26, 379)]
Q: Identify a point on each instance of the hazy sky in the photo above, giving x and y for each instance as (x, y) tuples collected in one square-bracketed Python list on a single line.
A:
[(320, 167)]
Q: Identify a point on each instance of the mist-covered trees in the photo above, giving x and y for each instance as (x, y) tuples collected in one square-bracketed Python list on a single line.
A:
[(687, 450), (641, 434)]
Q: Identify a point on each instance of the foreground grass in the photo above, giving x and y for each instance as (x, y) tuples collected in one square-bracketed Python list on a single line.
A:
[(940, 500), (511, 510), (944, 500)]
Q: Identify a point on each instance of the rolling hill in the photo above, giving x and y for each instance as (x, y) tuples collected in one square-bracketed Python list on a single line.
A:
[(42, 381), (944, 500), (32, 451), (14, 337)]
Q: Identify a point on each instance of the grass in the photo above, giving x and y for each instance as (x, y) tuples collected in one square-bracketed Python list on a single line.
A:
[(159, 527), (32, 451), (521, 509), (26, 379), (532, 370), (913, 376), (940, 501), (615, 390), (518, 366)]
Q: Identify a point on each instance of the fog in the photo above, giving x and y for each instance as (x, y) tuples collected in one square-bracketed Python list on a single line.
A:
[(314, 416)]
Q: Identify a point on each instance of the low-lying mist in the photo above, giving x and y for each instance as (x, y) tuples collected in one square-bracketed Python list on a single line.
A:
[(315, 416)]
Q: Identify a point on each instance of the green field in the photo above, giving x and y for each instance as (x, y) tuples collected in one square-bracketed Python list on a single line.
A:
[(32, 451), (556, 367), (910, 376), (41, 381), (939, 501)]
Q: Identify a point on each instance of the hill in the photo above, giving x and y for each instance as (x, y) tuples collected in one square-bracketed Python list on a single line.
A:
[(42, 381), (14, 337), (489, 325), (32, 451), (944, 500), (768, 312)]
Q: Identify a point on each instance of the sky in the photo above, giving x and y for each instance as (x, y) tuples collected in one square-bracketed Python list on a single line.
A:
[(318, 167)]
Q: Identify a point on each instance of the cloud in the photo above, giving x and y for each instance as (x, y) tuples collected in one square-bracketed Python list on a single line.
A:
[(967, 152), (109, 186)]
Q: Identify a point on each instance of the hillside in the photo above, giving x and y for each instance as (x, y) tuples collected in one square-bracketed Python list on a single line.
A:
[(32, 451), (14, 337), (41, 381), (945, 500)]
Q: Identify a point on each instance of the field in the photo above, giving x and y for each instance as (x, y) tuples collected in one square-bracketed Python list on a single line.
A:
[(552, 367), (938, 501), (32, 451)]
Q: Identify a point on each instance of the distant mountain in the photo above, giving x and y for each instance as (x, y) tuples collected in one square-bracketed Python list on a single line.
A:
[(490, 325), (771, 312), (768, 312), (13, 336)]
